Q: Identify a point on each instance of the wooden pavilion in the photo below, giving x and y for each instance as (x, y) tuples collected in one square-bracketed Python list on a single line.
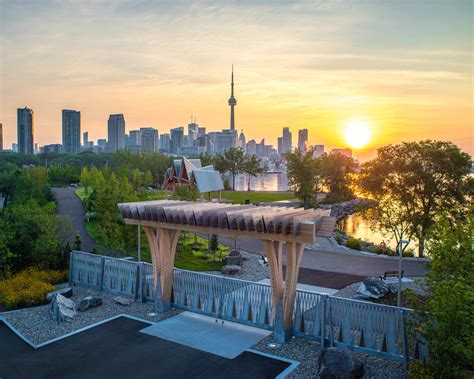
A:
[(164, 220)]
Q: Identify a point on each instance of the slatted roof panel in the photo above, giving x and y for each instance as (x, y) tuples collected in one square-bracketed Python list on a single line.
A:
[(244, 218)]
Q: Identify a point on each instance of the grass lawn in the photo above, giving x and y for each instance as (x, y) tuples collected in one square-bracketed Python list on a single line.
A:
[(238, 197), (191, 253)]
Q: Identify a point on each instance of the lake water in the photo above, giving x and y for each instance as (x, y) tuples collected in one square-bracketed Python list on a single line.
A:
[(356, 225), (264, 182)]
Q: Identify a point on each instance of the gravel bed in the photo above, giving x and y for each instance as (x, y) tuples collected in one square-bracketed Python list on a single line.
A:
[(307, 352), (251, 269), (36, 325), (350, 291)]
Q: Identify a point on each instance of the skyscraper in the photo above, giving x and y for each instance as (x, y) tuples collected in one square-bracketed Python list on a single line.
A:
[(71, 131), (192, 133), (287, 141), (165, 141), (303, 141), (116, 133), (25, 130), (232, 102), (242, 141), (85, 139), (1, 137), (176, 139), (149, 140)]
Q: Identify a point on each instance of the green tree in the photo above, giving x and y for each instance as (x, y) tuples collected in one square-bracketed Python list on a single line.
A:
[(85, 179), (136, 179), (231, 161), (423, 178), (303, 173), (186, 192), (446, 318), (252, 166), (337, 175), (77, 242)]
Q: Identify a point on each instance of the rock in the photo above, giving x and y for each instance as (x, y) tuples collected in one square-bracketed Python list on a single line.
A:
[(373, 287), (230, 269), (234, 258), (125, 301), (339, 364), (66, 292), (89, 302), (62, 308)]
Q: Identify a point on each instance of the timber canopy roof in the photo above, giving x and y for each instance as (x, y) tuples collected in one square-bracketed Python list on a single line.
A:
[(264, 222)]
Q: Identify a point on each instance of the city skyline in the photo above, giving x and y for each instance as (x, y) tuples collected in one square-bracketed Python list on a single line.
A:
[(412, 84)]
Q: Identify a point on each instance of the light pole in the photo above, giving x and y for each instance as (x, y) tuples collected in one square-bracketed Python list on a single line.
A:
[(400, 257)]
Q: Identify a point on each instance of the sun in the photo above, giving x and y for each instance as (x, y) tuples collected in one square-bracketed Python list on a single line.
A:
[(357, 133)]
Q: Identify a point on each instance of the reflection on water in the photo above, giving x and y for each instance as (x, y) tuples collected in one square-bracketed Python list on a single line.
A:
[(264, 182), (356, 225)]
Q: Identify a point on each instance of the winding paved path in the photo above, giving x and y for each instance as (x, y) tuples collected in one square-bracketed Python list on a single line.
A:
[(72, 208)]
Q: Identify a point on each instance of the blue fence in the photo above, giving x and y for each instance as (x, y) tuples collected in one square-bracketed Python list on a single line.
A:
[(357, 325)]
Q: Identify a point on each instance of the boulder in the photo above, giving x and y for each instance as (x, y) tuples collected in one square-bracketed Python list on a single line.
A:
[(234, 258), (230, 269), (372, 287), (89, 302), (125, 301), (62, 308), (339, 364), (66, 292)]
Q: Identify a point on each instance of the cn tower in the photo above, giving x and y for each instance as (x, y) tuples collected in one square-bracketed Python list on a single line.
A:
[(232, 102)]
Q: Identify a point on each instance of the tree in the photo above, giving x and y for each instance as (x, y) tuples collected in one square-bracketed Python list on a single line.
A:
[(303, 176), (232, 161), (85, 179), (186, 192), (252, 166), (77, 242), (446, 319), (336, 174), (136, 179), (421, 178)]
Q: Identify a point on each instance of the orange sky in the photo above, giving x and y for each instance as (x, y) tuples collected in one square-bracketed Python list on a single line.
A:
[(405, 67)]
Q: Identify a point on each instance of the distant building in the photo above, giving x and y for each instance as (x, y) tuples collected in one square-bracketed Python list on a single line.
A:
[(318, 150), (232, 103), (303, 141), (71, 131), (165, 140), (176, 141), (193, 130), (347, 152), (242, 141), (52, 148), (85, 139), (15, 147), (25, 130), (286, 141), (252, 147), (133, 140), (1, 137), (220, 142), (201, 131), (116, 133), (149, 140)]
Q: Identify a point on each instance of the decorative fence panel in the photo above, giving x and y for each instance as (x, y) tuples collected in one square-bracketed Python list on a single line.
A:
[(358, 325)]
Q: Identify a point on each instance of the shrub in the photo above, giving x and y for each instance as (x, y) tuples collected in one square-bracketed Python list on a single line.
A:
[(353, 243), (29, 287)]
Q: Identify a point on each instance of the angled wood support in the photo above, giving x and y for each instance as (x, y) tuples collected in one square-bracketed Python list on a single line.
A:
[(163, 244), (283, 288)]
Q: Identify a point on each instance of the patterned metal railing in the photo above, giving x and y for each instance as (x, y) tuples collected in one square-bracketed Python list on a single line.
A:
[(361, 326)]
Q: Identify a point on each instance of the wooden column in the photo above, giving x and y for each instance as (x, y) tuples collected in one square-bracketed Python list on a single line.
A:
[(163, 244), (283, 289)]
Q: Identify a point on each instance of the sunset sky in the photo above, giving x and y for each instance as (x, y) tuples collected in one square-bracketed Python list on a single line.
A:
[(403, 66)]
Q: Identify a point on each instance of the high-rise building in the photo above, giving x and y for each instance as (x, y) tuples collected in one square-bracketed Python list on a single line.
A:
[(222, 141), (252, 147), (25, 130), (1, 137), (133, 140), (280, 145), (232, 102), (176, 139), (201, 131), (71, 131), (149, 140), (287, 141), (192, 133), (85, 139), (303, 141), (347, 152), (53, 148), (116, 133), (242, 142), (165, 140), (318, 150)]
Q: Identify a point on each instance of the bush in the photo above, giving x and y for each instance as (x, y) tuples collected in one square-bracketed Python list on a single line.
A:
[(353, 243), (29, 287)]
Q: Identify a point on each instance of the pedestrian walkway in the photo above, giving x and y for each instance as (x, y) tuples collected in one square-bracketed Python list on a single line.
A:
[(226, 339)]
